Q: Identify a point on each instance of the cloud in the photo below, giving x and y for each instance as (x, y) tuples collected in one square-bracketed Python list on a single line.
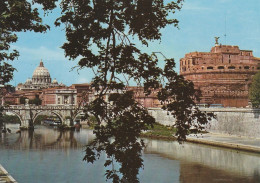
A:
[(82, 80), (41, 52), (195, 7)]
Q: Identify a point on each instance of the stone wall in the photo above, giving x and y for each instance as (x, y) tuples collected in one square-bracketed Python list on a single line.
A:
[(235, 121), (232, 121), (161, 116)]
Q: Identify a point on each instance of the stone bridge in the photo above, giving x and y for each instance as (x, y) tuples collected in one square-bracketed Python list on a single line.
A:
[(28, 113)]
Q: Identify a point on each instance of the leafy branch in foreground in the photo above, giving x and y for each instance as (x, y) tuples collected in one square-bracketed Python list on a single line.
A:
[(100, 34), (15, 16)]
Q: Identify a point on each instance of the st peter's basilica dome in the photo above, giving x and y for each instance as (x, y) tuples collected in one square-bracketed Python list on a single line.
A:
[(41, 75), (41, 71), (41, 79)]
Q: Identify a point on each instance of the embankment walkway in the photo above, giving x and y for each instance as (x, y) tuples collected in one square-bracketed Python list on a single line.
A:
[(5, 177), (229, 141)]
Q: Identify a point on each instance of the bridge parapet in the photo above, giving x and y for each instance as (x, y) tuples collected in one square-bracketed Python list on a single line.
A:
[(27, 113)]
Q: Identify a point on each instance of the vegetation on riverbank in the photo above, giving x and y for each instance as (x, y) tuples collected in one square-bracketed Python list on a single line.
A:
[(64, 127), (10, 119), (160, 132), (15, 120)]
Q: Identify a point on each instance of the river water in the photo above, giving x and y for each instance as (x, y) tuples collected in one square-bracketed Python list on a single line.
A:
[(49, 156)]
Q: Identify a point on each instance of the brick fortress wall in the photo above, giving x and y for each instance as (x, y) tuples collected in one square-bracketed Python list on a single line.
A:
[(223, 75)]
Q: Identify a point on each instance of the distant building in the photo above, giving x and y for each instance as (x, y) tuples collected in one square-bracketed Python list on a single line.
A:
[(223, 75), (14, 98), (146, 101), (85, 93), (51, 92), (59, 96), (41, 79)]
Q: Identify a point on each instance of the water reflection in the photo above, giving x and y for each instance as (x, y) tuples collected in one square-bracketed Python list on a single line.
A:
[(48, 150), (200, 163), (44, 137)]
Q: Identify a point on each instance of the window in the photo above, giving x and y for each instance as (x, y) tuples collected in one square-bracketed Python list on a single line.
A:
[(210, 68), (246, 67), (220, 67), (231, 67)]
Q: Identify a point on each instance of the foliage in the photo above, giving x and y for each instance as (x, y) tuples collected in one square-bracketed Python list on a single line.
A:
[(92, 121), (254, 91), (36, 101), (22, 100), (118, 138), (10, 119), (1, 117), (15, 16), (39, 119), (100, 34)]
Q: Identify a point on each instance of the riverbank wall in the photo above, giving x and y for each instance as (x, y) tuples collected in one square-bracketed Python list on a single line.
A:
[(232, 121), (5, 177)]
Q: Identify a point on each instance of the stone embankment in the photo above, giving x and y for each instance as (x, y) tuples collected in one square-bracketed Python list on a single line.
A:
[(236, 128), (228, 141), (5, 177), (243, 122)]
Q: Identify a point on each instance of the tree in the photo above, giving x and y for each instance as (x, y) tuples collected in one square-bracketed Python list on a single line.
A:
[(254, 91), (100, 34), (22, 100), (15, 16), (37, 101)]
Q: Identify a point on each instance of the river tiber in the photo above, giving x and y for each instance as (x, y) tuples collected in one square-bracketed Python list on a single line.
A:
[(136, 91)]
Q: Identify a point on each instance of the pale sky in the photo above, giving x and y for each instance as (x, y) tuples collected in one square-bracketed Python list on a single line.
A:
[(200, 22)]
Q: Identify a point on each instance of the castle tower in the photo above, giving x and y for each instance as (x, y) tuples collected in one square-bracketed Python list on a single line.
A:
[(223, 75)]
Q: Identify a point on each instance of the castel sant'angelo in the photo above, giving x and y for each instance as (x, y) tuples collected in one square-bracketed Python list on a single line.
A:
[(223, 75)]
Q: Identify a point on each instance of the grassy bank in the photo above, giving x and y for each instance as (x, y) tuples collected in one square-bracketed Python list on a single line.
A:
[(160, 132)]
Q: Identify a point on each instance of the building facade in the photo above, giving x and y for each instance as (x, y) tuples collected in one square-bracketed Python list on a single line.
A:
[(223, 75), (59, 96)]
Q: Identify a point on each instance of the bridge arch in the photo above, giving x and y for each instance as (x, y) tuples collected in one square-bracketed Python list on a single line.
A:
[(17, 114), (77, 114), (53, 112)]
